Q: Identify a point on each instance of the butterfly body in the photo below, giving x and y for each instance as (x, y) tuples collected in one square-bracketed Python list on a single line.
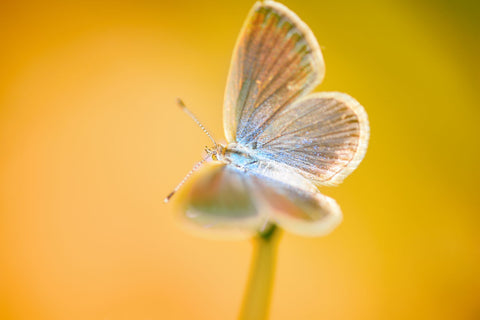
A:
[(282, 142), (248, 160)]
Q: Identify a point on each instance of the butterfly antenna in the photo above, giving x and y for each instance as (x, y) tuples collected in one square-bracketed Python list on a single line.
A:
[(195, 168), (182, 105)]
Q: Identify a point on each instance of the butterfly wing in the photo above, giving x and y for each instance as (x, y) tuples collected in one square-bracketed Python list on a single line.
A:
[(303, 211), (219, 196), (276, 60), (223, 197), (323, 136)]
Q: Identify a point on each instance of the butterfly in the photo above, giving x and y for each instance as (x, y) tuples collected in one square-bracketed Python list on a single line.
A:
[(283, 142)]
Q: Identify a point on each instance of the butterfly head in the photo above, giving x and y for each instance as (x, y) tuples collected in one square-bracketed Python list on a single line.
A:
[(216, 152)]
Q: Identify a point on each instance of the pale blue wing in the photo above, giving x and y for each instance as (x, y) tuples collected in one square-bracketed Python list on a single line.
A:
[(223, 197), (303, 211), (323, 136), (276, 60), (220, 196)]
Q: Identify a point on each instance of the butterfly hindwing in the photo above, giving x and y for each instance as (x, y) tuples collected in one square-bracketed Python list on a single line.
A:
[(303, 211), (324, 136)]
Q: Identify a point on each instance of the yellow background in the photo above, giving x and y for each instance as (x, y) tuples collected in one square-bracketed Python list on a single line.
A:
[(91, 141)]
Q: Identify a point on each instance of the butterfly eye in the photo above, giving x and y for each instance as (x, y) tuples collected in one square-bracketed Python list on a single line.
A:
[(214, 156)]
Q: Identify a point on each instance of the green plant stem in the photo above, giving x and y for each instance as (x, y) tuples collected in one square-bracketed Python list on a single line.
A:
[(256, 300)]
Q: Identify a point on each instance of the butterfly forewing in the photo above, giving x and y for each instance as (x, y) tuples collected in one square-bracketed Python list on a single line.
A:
[(220, 196), (323, 135), (276, 60)]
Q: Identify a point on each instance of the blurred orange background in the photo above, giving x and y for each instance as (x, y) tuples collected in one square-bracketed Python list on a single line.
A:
[(91, 141)]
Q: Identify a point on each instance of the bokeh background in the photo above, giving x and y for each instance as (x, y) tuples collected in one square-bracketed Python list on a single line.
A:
[(91, 141)]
